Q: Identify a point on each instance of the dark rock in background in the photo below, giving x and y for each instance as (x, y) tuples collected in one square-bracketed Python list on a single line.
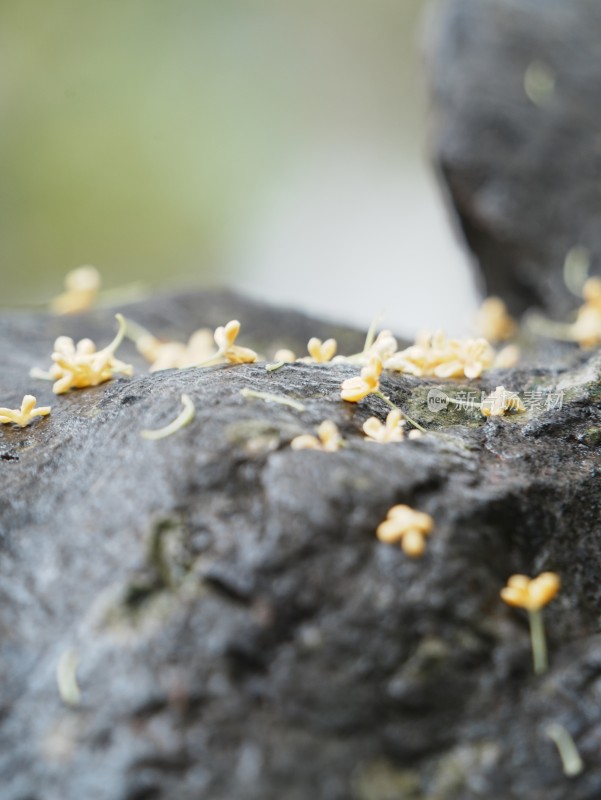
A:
[(516, 87), (242, 634)]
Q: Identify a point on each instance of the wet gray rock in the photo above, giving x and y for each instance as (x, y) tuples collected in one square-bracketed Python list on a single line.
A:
[(241, 633), (516, 85)]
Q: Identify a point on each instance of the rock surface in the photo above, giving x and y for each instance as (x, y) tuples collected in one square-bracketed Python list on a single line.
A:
[(241, 633), (516, 101)]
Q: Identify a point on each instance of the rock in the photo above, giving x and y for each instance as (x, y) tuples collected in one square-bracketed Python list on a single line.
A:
[(516, 136), (241, 634)]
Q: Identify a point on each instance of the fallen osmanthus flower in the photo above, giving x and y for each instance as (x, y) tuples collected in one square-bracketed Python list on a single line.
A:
[(499, 402), (225, 337), (393, 430), (409, 527), (533, 594), (77, 366), (328, 439), (171, 354), (320, 352), (355, 389), (81, 290), (586, 330), (441, 357), (493, 321), (24, 415)]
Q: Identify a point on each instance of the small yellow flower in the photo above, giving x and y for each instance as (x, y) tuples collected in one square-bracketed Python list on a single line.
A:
[(355, 389), (533, 594), (508, 357), (328, 439), (24, 415), (591, 292), (384, 346), (407, 526), (391, 431), (493, 321), (176, 355), (81, 289), (81, 365), (587, 328), (322, 352), (500, 401), (284, 355), (225, 336)]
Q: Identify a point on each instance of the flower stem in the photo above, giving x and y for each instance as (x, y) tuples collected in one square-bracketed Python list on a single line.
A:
[(539, 642), (570, 757), (371, 333), (389, 402), (183, 419), (273, 398), (273, 367)]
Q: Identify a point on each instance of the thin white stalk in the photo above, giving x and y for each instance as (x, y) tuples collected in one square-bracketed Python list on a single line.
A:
[(273, 398), (183, 419), (570, 757)]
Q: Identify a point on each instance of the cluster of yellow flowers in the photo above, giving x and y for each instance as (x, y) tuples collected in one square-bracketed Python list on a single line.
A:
[(440, 357), (175, 355), (79, 365)]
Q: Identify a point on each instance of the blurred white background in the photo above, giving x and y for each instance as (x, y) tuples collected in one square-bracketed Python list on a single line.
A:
[(277, 146)]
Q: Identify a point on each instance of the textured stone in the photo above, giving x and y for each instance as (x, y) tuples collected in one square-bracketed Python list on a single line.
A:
[(516, 87), (242, 634)]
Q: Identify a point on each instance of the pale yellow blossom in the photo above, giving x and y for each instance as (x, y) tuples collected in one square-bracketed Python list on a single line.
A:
[(384, 346), (586, 330), (284, 355), (407, 526), (467, 358), (24, 415), (81, 289), (225, 337), (441, 357), (508, 357), (500, 401), (321, 352), (531, 593), (355, 389), (176, 355), (77, 366), (328, 439), (390, 431), (493, 321)]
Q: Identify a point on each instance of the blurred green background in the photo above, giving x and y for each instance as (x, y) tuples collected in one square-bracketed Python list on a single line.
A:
[(275, 145)]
